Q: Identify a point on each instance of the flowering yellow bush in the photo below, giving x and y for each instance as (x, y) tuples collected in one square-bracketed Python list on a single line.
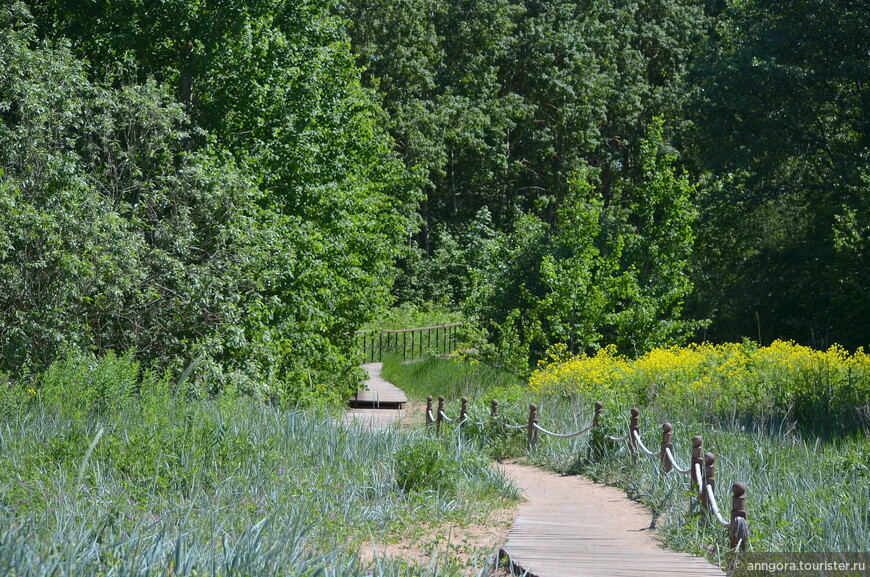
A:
[(728, 379), (604, 374)]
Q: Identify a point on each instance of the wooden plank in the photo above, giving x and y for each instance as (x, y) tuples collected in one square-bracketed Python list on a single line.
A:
[(378, 392), (572, 527)]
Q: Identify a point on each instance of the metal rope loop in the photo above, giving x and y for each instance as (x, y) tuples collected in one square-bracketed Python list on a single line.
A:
[(445, 417), (643, 447), (676, 467), (711, 498), (558, 436), (617, 439), (431, 417), (523, 426)]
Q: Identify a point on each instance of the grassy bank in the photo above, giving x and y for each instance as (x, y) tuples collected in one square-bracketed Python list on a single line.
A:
[(104, 470), (806, 492)]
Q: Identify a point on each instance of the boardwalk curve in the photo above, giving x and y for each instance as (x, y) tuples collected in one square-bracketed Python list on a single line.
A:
[(573, 527)]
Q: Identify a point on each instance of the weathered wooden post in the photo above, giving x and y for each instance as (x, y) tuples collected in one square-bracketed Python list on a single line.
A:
[(597, 442), (440, 416), (634, 427), (428, 411), (463, 412), (709, 478), (532, 432), (493, 409), (738, 531), (666, 444), (697, 459)]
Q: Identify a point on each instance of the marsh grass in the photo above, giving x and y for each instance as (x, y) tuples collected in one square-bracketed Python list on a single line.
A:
[(156, 483)]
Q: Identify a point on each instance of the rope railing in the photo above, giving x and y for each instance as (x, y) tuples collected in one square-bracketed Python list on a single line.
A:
[(674, 464), (711, 498), (560, 436), (523, 426), (445, 417), (701, 470), (643, 448)]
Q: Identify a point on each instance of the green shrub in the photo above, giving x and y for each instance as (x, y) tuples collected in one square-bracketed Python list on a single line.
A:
[(81, 384), (425, 466)]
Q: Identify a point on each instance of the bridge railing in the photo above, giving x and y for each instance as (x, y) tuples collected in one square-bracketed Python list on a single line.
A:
[(408, 343), (701, 469)]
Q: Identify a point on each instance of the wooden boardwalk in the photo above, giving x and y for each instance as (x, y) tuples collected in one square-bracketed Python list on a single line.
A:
[(573, 527), (367, 411), (378, 392)]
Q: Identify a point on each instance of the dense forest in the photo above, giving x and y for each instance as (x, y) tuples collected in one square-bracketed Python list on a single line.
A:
[(236, 186)]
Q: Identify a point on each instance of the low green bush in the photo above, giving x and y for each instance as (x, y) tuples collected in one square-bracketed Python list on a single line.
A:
[(424, 465)]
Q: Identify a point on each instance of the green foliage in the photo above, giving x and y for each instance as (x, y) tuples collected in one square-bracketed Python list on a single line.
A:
[(604, 273), (424, 465), (113, 236), (248, 219), (782, 126), (498, 107), (408, 315), (100, 386), (451, 378)]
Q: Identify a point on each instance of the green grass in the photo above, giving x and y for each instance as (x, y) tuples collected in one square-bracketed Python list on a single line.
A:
[(447, 377), (148, 482), (804, 493)]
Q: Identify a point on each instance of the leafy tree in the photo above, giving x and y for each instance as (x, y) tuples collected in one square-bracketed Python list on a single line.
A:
[(784, 129), (498, 103), (275, 84), (604, 274), (112, 235)]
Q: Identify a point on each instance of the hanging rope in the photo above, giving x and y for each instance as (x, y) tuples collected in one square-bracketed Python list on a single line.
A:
[(711, 499), (523, 426), (558, 436), (445, 417), (616, 439), (676, 467), (643, 447), (699, 479)]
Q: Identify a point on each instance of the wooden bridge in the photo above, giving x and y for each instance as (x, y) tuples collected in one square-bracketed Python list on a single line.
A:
[(408, 343), (379, 404)]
